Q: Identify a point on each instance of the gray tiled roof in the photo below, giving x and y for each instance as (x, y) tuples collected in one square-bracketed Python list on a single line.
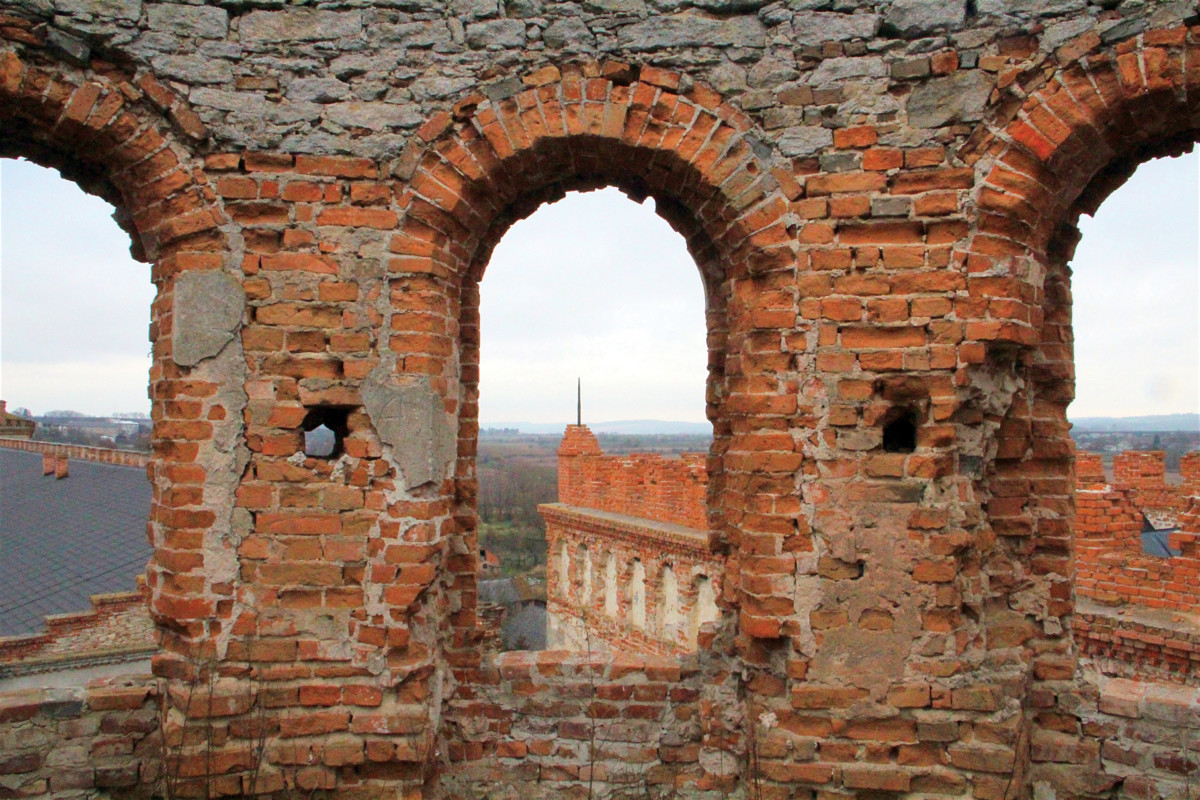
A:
[(63, 540)]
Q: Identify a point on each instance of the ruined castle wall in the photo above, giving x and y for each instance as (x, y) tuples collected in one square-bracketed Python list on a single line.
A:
[(631, 565), (125, 458), (100, 741), (630, 586), (880, 200), (116, 624)]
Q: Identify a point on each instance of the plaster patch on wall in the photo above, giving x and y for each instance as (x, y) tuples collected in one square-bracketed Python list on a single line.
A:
[(409, 417), (208, 313)]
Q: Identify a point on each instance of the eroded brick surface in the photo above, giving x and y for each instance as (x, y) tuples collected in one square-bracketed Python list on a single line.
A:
[(880, 201)]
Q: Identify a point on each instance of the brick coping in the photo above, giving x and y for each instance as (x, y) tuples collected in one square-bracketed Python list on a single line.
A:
[(101, 455), (637, 529)]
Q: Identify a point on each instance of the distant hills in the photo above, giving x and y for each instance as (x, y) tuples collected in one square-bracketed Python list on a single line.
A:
[(625, 426), (1154, 423)]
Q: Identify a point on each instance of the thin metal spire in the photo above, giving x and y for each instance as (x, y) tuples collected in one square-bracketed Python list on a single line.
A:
[(578, 401)]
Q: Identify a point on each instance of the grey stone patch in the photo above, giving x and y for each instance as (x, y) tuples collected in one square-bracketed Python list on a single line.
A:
[(832, 70), (244, 102), (502, 90), (840, 162), (910, 68), (633, 7), (1122, 29), (104, 9), (289, 113), (374, 116), (409, 417), (814, 27), (205, 22), (568, 34), (691, 30), (524, 9), (1171, 13), (317, 90), (412, 34), (955, 98), (1061, 32), (437, 87), (72, 49), (890, 206), (476, 9), (356, 65), (772, 71), (300, 25), (804, 141), (730, 6), (728, 78), (193, 68), (207, 315), (496, 33), (1037, 8), (921, 17)]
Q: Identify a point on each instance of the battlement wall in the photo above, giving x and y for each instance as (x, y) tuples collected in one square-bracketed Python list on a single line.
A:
[(646, 485)]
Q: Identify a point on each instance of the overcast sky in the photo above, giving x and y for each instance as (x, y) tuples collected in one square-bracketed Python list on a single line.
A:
[(595, 287)]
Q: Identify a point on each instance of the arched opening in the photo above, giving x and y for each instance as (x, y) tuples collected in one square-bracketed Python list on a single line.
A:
[(610, 585), (75, 309), (1135, 280), (590, 306), (637, 595), (1031, 205)]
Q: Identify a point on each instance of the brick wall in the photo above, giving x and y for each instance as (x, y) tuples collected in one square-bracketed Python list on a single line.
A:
[(1137, 613), (631, 566), (554, 724), (1110, 565), (115, 624), (614, 565), (638, 485), (102, 740)]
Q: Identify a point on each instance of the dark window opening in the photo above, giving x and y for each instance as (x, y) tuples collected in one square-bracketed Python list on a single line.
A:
[(900, 435), (325, 430)]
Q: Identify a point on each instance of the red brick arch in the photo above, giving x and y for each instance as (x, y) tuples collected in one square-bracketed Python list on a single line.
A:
[(1100, 112), (118, 137), (584, 126)]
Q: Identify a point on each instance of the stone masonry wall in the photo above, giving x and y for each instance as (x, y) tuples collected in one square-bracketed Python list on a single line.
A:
[(880, 198), (102, 740)]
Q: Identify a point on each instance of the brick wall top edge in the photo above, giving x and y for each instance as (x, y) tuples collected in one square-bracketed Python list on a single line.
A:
[(650, 530), (124, 458)]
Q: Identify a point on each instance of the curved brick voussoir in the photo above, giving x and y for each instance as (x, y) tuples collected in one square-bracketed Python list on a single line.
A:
[(495, 161), (103, 129)]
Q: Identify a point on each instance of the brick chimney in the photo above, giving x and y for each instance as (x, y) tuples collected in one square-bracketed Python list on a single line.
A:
[(3, 406), (48, 460), (60, 468)]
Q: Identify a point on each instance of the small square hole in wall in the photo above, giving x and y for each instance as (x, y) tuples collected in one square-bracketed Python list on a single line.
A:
[(900, 433), (325, 429)]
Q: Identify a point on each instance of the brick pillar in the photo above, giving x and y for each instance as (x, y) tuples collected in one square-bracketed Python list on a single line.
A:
[(1189, 467), (1140, 469), (48, 461), (60, 467), (578, 441), (1089, 469)]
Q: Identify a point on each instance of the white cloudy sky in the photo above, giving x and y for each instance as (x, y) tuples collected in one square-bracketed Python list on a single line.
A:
[(595, 287)]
